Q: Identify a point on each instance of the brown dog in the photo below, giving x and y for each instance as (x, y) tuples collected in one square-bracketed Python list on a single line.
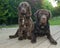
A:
[(25, 21), (42, 26)]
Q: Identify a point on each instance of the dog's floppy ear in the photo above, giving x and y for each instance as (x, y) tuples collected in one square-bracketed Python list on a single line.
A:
[(36, 13), (29, 13)]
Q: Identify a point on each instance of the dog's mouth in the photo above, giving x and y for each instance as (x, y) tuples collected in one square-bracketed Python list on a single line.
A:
[(43, 23)]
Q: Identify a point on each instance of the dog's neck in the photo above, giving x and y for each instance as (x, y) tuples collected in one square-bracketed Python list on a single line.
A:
[(26, 17)]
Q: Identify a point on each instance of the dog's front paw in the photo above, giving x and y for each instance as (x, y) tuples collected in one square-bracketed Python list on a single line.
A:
[(20, 38), (33, 41), (53, 42), (29, 37), (24, 37), (11, 36)]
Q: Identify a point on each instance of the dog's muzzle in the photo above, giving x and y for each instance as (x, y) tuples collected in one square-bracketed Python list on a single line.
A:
[(43, 19), (23, 11)]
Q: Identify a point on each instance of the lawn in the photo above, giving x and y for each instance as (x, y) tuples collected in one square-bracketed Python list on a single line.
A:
[(55, 21)]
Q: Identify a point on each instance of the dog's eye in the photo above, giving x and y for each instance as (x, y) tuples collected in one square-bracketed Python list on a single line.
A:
[(46, 15), (25, 5), (21, 4)]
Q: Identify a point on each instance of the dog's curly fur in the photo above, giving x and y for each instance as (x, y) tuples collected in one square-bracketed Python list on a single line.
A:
[(25, 21), (42, 29)]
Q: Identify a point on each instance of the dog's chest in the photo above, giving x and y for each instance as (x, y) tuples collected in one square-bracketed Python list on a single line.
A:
[(28, 22), (42, 30), (42, 27)]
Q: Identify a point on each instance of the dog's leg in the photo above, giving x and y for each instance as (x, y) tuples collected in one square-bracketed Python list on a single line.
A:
[(29, 35), (51, 39), (28, 30), (33, 38), (24, 34), (15, 35), (20, 33)]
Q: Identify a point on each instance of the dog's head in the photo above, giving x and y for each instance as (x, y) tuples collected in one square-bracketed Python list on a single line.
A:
[(24, 8), (42, 16)]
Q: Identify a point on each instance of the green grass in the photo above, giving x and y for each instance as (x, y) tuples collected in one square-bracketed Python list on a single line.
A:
[(55, 21)]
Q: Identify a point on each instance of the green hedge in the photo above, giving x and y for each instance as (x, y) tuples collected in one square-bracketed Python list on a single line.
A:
[(9, 12)]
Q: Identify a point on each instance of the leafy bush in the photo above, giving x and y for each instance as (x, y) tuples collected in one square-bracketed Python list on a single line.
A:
[(9, 12)]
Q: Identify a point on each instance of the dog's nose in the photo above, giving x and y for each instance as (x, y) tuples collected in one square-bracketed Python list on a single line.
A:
[(23, 10), (43, 18)]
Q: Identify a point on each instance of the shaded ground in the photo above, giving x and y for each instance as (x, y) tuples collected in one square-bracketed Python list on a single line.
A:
[(42, 42)]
